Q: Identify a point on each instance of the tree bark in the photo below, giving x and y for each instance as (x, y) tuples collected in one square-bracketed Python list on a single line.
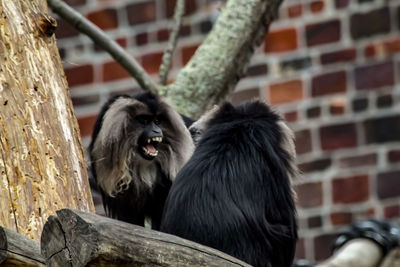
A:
[(41, 158), (18, 250), (222, 59), (76, 238)]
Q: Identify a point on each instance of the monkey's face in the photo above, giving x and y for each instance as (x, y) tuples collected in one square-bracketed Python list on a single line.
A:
[(133, 138), (150, 138)]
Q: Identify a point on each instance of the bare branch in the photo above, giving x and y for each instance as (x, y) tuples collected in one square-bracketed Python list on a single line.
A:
[(173, 39), (101, 39), (222, 59)]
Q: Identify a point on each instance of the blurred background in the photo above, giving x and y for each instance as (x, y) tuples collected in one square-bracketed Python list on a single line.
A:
[(330, 67)]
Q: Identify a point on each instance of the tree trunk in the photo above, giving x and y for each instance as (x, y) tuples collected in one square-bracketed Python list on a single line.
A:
[(222, 59), (76, 238), (41, 158)]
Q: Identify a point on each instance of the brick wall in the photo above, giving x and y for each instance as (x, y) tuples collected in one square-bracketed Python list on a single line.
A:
[(331, 67)]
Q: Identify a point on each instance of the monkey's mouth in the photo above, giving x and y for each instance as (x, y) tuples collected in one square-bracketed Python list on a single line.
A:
[(149, 148)]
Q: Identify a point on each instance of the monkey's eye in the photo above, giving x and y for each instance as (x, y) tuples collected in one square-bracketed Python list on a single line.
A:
[(143, 119), (157, 121)]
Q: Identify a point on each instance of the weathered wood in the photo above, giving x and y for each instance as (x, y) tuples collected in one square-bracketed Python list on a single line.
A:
[(75, 238), (18, 250), (41, 158)]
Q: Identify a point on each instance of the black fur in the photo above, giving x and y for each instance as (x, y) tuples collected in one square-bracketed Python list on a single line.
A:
[(150, 117), (234, 194)]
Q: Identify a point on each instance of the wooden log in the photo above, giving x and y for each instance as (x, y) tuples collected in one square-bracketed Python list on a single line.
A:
[(76, 238), (18, 250)]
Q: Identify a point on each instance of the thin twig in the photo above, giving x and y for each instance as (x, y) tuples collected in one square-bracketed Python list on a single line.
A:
[(173, 39), (100, 38)]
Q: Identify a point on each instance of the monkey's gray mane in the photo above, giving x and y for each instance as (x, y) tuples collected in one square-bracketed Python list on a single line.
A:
[(117, 163)]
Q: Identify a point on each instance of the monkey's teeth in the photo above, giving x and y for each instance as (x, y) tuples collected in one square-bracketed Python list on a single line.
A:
[(157, 139), (153, 154)]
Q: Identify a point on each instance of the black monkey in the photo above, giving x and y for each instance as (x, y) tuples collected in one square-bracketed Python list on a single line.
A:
[(235, 194), (139, 143)]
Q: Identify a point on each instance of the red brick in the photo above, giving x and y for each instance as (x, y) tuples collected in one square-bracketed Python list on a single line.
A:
[(341, 218), (86, 125), (85, 100), (295, 11), (323, 32), (322, 246), (151, 62), (105, 19), (114, 71), (383, 49), (338, 136), (205, 26), (257, 70), (314, 112), (245, 95), (370, 51), (315, 165), (374, 76), (162, 35), (126, 91), (300, 249), (185, 30), (314, 222), (329, 83), (283, 40), (286, 92), (384, 101), (337, 107), (382, 130), (75, 2), (303, 141), (141, 12), (360, 104), (317, 6), (361, 26), (291, 116), (65, 30), (341, 3), (309, 195), (188, 52), (350, 189), (388, 184), (79, 75), (394, 156), (344, 55), (295, 64), (392, 211), (142, 38), (122, 41), (358, 161), (190, 7)]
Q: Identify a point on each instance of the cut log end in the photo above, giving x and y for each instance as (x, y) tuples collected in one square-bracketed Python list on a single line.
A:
[(18, 250)]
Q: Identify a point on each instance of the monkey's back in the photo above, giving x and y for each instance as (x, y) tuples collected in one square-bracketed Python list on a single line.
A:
[(234, 193)]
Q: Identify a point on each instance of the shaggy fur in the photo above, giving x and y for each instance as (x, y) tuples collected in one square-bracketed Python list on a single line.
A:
[(134, 187), (235, 194)]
